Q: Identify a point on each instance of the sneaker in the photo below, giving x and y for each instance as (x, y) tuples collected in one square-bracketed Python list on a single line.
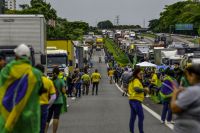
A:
[(170, 122), (73, 98), (147, 95), (162, 122)]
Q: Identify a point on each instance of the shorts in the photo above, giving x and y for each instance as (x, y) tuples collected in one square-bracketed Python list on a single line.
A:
[(54, 111)]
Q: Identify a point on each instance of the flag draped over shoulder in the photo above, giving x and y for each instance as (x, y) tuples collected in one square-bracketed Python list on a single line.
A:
[(19, 97), (167, 88)]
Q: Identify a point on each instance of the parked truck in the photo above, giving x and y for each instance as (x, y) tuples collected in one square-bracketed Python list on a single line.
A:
[(57, 57), (66, 45), (27, 29), (99, 43)]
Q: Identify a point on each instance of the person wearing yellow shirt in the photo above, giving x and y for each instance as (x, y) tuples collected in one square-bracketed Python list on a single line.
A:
[(95, 78), (45, 102), (111, 74), (86, 82), (136, 97), (154, 82)]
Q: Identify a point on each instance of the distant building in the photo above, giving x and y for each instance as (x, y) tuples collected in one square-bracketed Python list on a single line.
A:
[(2, 2), (10, 4)]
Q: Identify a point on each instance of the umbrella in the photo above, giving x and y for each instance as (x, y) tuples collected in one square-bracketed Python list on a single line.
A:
[(146, 64)]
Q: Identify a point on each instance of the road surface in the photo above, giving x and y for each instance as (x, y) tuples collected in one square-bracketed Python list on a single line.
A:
[(108, 112)]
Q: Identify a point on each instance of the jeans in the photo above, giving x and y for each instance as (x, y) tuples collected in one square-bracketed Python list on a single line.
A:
[(44, 115), (78, 89), (95, 85), (85, 88), (70, 89), (166, 112), (136, 110)]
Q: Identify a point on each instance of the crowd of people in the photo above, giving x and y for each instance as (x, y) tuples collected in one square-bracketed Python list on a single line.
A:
[(177, 90), (27, 95)]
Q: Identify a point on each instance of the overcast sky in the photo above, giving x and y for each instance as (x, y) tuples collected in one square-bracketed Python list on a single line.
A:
[(92, 11)]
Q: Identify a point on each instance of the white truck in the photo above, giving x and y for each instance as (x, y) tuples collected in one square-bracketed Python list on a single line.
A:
[(27, 29), (57, 57)]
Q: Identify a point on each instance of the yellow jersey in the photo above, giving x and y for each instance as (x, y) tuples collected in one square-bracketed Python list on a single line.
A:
[(110, 73), (155, 79), (95, 77), (85, 78), (133, 95), (49, 90)]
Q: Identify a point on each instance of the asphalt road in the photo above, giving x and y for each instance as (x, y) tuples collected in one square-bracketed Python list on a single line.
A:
[(108, 112)]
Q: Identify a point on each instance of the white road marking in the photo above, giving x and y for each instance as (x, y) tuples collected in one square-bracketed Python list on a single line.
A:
[(51, 122), (154, 114)]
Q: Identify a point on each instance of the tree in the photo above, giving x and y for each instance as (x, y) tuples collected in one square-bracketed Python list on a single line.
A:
[(183, 12), (105, 25), (62, 29), (153, 25)]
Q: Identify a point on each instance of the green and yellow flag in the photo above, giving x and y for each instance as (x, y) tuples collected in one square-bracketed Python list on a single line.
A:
[(19, 98)]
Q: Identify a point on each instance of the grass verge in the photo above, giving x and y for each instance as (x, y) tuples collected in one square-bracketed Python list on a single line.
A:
[(148, 35), (120, 57)]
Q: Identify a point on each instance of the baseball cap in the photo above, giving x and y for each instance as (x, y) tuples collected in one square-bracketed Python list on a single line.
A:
[(22, 50)]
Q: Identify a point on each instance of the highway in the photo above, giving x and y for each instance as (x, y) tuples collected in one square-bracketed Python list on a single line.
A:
[(108, 112)]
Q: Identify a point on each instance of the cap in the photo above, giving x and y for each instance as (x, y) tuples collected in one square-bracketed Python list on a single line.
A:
[(22, 50)]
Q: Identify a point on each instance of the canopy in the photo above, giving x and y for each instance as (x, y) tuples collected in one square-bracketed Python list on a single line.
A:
[(146, 64)]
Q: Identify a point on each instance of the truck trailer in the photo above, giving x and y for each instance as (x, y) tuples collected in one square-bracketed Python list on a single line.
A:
[(23, 29)]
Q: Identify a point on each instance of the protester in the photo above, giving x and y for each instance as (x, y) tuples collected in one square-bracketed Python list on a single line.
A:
[(70, 85), (111, 74), (20, 86), (115, 75), (86, 83), (64, 95), (186, 103), (45, 102), (166, 91), (55, 109), (136, 97), (183, 81), (95, 78), (125, 81), (78, 83), (154, 82)]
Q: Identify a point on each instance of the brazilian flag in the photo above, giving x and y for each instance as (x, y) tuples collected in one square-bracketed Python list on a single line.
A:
[(19, 96), (64, 96)]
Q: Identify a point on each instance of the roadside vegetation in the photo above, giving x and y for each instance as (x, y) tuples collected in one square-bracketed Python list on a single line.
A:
[(148, 35), (57, 27), (195, 41), (120, 57), (183, 12)]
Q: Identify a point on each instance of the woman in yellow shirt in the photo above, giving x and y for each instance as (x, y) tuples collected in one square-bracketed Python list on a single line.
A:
[(136, 97), (110, 75)]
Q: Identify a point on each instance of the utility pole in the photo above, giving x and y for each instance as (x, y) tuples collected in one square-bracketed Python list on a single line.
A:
[(117, 19), (144, 23)]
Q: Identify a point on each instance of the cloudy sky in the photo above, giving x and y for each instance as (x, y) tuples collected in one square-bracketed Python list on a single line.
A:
[(93, 11)]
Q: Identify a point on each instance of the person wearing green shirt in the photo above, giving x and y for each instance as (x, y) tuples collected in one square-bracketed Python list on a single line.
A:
[(55, 109)]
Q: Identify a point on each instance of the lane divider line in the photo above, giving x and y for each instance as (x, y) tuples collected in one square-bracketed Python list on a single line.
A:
[(153, 113)]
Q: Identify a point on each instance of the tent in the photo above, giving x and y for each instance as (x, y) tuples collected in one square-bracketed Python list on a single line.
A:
[(146, 64)]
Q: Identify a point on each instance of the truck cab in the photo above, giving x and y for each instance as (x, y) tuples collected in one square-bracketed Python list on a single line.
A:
[(57, 57), (8, 51)]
